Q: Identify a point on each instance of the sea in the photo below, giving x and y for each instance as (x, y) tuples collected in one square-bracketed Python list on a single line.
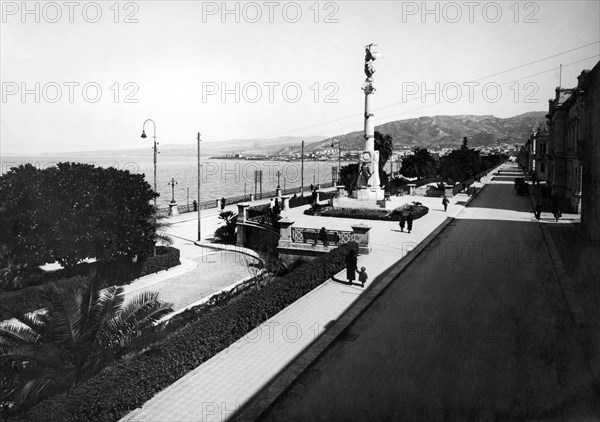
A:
[(219, 177)]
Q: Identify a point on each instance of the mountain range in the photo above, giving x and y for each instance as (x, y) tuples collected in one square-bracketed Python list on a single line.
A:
[(442, 132)]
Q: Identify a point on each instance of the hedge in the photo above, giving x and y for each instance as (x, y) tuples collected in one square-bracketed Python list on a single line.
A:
[(29, 299), (128, 384)]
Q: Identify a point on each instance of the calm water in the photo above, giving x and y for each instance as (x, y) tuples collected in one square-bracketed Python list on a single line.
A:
[(219, 177)]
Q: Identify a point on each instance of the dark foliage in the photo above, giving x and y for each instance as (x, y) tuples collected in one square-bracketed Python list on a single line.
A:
[(128, 384)]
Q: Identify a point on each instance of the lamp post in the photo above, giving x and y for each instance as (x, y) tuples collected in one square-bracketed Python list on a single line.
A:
[(302, 171), (339, 157), (172, 183), (154, 148), (199, 207)]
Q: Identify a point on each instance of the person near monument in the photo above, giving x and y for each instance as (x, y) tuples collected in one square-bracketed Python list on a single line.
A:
[(409, 221), (351, 265), (223, 200), (445, 203)]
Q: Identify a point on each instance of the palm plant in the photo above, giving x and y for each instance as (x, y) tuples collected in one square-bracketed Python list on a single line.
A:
[(79, 332)]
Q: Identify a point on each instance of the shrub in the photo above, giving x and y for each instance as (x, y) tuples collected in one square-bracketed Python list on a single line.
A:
[(129, 384), (166, 257), (111, 273)]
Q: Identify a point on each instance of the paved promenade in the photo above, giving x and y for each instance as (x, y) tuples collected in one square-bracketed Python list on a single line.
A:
[(224, 383)]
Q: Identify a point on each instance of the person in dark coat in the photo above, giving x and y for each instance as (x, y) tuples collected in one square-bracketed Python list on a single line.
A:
[(409, 221), (402, 221), (538, 210), (556, 208), (223, 200), (323, 236), (445, 203), (195, 205), (351, 266)]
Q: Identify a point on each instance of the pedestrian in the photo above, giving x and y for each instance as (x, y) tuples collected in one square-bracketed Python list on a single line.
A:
[(556, 208), (351, 264), (402, 221), (409, 221), (323, 236), (223, 200), (538, 210), (312, 187), (195, 205), (445, 203), (362, 276)]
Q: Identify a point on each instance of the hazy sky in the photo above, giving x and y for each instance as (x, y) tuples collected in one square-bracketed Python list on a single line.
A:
[(87, 74)]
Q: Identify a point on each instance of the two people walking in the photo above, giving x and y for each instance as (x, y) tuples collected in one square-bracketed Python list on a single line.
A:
[(406, 219), (352, 269)]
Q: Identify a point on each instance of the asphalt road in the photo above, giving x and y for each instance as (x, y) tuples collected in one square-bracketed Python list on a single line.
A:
[(476, 328)]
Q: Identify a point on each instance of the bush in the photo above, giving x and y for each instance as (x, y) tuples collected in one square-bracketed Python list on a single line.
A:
[(29, 299), (129, 384), (166, 257), (111, 273)]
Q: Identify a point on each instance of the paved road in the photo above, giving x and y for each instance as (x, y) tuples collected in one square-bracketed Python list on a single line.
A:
[(476, 328)]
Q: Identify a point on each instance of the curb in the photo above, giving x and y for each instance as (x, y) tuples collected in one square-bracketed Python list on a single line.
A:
[(264, 399)]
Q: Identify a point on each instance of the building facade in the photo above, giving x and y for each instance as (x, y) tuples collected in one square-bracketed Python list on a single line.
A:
[(590, 153), (573, 149), (537, 150)]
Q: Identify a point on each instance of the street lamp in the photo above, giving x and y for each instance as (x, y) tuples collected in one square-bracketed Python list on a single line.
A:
[(199, 206), (339, 156), (155, 150)]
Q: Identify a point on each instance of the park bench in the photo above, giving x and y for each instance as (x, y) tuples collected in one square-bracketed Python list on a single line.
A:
[(313, 237)]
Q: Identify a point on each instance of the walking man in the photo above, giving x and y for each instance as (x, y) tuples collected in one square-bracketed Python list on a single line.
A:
[(223, 200), (555, 208), (409, 221), (402, 221), (537, 210), (445, 203), (351, 264)]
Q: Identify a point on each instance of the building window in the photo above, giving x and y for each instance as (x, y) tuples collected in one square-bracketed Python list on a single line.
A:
[(542, 167)]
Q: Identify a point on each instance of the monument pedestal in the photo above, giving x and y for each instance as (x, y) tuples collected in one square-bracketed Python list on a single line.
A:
[(365, 194), (173, 209)]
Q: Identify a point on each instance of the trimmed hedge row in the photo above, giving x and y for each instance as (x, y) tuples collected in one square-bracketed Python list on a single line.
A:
[(28, 299), (166, 257), (128, 384), (15, 304)]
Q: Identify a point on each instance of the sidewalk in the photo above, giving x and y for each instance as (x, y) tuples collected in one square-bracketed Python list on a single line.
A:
[(227, 381)]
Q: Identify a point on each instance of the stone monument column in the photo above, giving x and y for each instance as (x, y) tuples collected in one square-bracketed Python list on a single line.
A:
[(368, 162)]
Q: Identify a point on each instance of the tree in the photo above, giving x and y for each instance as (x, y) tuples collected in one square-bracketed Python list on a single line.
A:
[(74, 211), (80, 331), (461, 164), (348, 176), (420, 164), (226, 233)]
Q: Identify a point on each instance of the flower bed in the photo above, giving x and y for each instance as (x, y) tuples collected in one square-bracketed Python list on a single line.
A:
[(418, 210), (128, 384)]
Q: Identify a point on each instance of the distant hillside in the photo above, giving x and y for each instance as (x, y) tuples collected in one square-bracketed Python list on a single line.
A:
[(445, 132)]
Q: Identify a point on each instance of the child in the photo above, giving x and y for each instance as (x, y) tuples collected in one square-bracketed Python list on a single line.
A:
[(362, 276)]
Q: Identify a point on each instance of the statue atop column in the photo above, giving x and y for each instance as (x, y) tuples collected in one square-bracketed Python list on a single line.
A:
[(368, 177)]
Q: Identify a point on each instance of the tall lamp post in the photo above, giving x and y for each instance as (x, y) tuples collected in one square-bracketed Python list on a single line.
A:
[(339, 157), (302, 171), (199, 207), (154, 148)]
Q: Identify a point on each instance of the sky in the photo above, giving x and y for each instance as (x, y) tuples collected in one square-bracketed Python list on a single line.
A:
[(83, 76)]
